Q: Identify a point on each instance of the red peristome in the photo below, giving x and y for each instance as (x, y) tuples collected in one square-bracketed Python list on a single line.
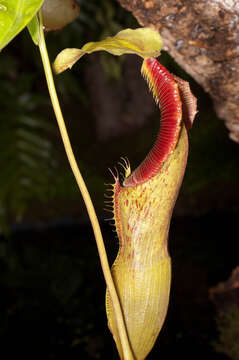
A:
[(166, 93)]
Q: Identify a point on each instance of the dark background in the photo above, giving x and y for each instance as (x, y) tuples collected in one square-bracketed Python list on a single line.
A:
[(51, 284)]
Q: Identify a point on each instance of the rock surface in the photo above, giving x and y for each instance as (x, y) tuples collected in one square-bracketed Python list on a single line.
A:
[(203, 37)]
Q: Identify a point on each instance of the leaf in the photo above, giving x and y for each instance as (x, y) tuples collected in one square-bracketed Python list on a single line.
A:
[(14, 16), (144, 42), (33, 29)]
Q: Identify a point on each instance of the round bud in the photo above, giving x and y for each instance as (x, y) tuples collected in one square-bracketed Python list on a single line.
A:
[(58, 13)]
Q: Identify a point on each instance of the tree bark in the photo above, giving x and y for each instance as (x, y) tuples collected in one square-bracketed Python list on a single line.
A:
[(203, 37)]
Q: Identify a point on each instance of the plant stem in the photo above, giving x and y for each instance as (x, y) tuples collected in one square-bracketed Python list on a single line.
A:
[(85, 194)]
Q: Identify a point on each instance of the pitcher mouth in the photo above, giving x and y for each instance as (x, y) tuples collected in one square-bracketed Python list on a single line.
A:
[(166, 94)]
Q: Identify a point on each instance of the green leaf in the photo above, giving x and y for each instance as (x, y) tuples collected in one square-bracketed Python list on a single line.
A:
[(33, 29), (14, 16), (144, 42)]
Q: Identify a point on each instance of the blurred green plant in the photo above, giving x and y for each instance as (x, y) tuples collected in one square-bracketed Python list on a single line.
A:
[(28, 140), (30, 154), (27, 155)]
